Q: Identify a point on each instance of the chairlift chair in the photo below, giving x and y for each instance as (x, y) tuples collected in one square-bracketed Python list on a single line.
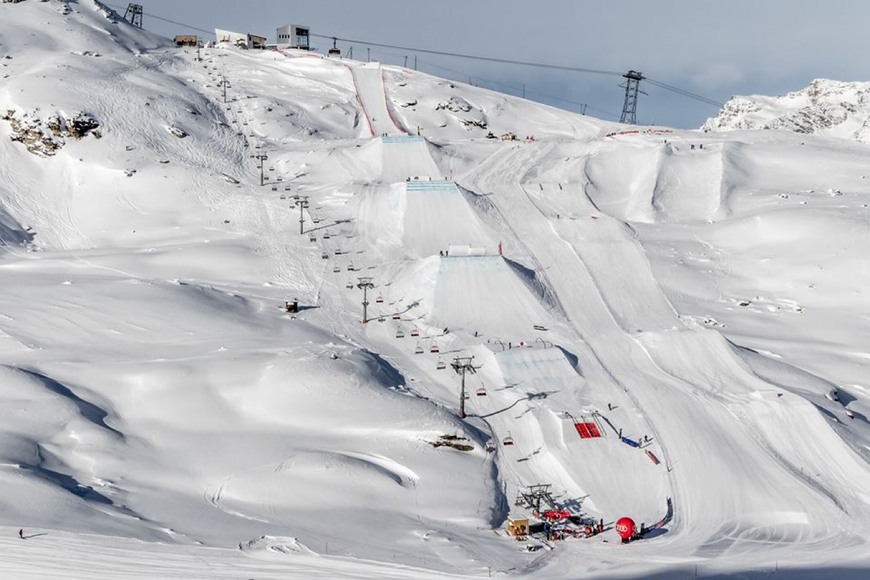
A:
[(415, 332), (507, 440), (350, 268), (324, 255), (440, 365), (349, 285), (419, 349), (326, 235), (397, 317), (312, 238), (481, 392), (434, 349), (379, 300), (400, 333), (336, 270)]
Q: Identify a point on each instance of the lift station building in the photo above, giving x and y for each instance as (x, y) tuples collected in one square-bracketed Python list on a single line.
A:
[(293, 36)]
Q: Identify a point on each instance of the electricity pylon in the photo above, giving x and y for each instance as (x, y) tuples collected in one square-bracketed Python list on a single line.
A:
[(632, 88)]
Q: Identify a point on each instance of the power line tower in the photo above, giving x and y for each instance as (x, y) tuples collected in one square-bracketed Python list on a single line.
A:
[(301, 203), (462, 365), (365, 284), (134, 14), (632, 88)]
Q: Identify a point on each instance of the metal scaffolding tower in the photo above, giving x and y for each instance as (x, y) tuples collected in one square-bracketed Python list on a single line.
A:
[(134, 14), (632, 88)]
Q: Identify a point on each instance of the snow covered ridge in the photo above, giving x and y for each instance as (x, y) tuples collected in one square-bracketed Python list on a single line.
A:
[(826, 107)]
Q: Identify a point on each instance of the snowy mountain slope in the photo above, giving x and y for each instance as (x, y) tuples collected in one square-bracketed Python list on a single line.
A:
[(154, 389), (825, 107)]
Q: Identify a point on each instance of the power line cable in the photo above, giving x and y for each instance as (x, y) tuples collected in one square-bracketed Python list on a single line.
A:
[(519, 88), (666, 86), (683, 92), (155, 17), (476, 57)]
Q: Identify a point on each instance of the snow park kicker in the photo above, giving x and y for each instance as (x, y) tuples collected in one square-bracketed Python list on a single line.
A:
[(405, 157), (524, 388), (423, 217), (689, 185), (484, 293)]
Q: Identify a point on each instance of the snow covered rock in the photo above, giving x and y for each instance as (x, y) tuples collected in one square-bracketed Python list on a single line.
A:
[(833, 108), (44, 136)]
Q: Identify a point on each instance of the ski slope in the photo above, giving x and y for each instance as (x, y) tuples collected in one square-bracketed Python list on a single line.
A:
[(164, 414)]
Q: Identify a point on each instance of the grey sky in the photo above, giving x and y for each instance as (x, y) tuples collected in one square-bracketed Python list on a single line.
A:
[(715, 49)]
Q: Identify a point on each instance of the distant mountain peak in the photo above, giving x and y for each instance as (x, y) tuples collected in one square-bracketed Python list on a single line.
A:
[(827, 107)]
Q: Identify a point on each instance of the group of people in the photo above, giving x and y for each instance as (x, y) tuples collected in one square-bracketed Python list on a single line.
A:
[(591, 530)]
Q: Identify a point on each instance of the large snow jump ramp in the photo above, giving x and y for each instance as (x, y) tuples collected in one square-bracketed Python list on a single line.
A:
[(483, 293), (424, 218), (406, 157)]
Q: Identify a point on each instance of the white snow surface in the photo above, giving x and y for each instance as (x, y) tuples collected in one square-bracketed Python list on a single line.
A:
[(703, 293)]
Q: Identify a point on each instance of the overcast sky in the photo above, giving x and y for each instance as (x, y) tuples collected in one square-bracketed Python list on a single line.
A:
[(711, 48)]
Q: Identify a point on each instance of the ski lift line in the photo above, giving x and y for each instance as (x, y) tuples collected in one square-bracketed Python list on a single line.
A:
[(654, 82), (518, 88), (477, 57), (683, 92), (151, 15), (666, 86)]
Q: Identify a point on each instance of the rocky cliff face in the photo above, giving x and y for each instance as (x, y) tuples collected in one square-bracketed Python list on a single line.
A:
[(837, 109)]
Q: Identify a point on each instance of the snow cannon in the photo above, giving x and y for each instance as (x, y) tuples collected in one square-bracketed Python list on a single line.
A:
[(625, 528)]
